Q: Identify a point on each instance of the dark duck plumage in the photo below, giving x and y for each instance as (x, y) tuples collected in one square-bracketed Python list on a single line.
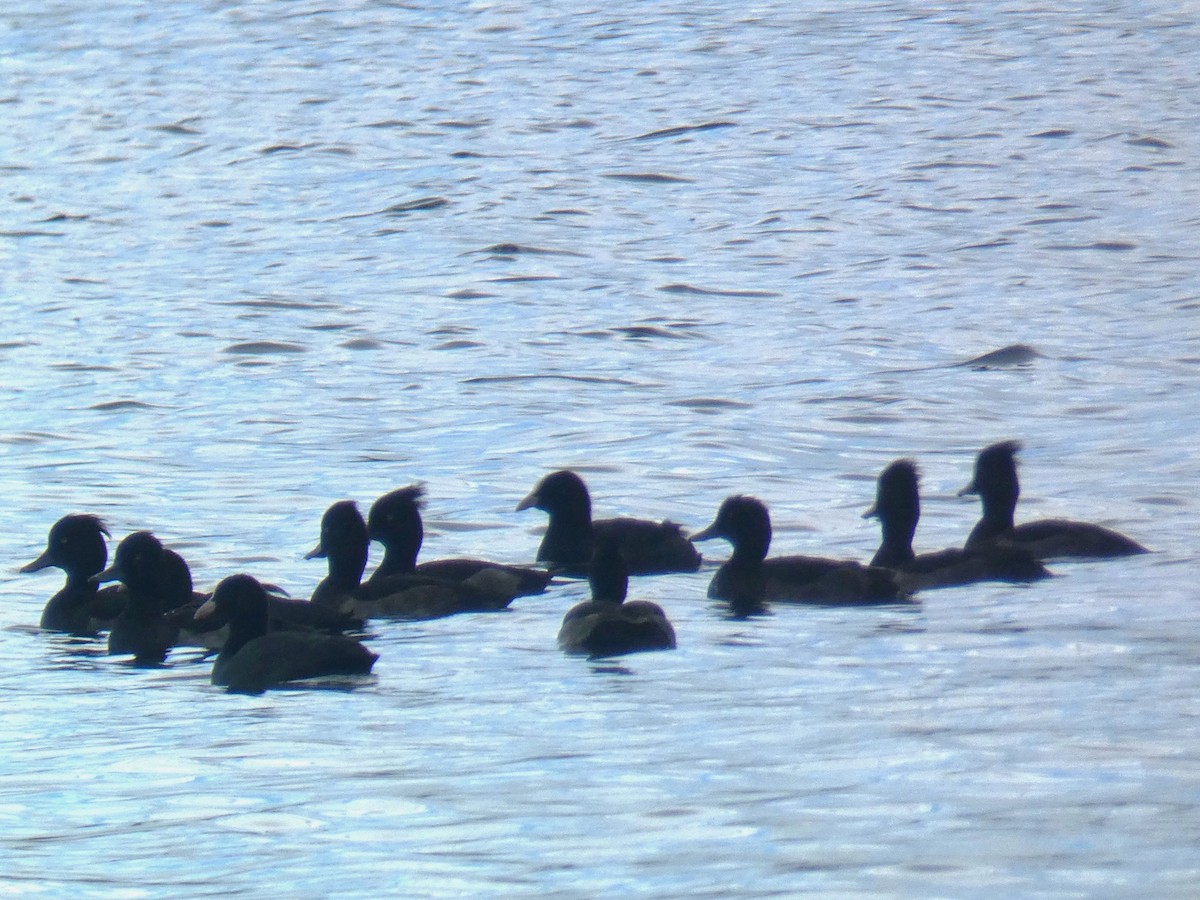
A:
[(996, 484), (649, 548), (345, 542), (395, 521), (606, 625), (898, 508), (76, 544), (255, 658), (156, 580), (749, 578)]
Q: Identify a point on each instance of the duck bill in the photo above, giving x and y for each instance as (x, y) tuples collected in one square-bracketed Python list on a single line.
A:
[(706, 535), (316, 552), (968, 490), (42, 562), (872, 513), (530, 502), (207, 608), (112, 573)]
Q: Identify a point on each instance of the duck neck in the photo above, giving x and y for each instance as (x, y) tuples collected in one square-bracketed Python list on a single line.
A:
[(346, 567), (398, 559), (750, 551), (568, 538), (245, 627), (898, 529)]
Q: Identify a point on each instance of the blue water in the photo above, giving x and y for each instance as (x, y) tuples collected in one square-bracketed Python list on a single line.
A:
[(258, 258)]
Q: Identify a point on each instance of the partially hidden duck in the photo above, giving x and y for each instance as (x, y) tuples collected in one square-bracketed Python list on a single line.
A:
[(608, 625)]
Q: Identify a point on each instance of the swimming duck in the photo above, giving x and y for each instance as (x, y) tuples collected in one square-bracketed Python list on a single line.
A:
[(898, 508), (649, 548), (395, 521), (254, 658), (344, 543), (996, 484), (749, 578), (606, 625), (157, 580), (76, 545)]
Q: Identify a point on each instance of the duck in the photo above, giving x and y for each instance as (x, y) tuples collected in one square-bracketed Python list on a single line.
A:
[(607, 625), (748, 578), (898, 508), (995, 481), (156, 580), (76, 544), (648, 547), (395, 522), (255, 658), (345, 542)]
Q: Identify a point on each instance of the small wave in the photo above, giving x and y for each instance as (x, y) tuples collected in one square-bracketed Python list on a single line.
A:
[(648, 177), (681, 288), (581, 379), (682, 129), (710, 403), (516, 249), (252, 347), (118, 405)]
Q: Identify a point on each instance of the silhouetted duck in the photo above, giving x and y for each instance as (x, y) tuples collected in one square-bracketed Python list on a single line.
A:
[(606, 625), (395, 521), (285, 614), (254, 658), (996, 484), (649, 548), (344, 543), (749, 578), (76, 545), (157, 580), (898, 508)]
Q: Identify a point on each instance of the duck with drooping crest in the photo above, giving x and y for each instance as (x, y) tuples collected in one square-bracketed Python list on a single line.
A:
[(395, 522), (648, 547), (995, 481), (345, 543), (76, 544)]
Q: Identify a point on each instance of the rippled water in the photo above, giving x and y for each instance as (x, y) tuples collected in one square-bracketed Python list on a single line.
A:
[(260, 257)]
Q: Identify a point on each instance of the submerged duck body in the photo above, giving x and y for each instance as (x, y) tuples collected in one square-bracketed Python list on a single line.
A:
[(76, 544), (254, 658), (607, 625), (648, 547), (749, 578), (996, 483), (898, 508), (395, 522), (344, 544)]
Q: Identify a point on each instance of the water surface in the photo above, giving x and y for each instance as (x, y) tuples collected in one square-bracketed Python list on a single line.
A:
[(260, 258)]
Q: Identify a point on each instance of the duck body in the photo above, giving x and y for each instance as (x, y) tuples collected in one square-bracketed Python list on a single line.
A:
[(395, 521), (748, 578), (648, 547), (996, 483), (76, 544), (607, 625), (898, 508), (345, 542), (156, 580), (254, 658)]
